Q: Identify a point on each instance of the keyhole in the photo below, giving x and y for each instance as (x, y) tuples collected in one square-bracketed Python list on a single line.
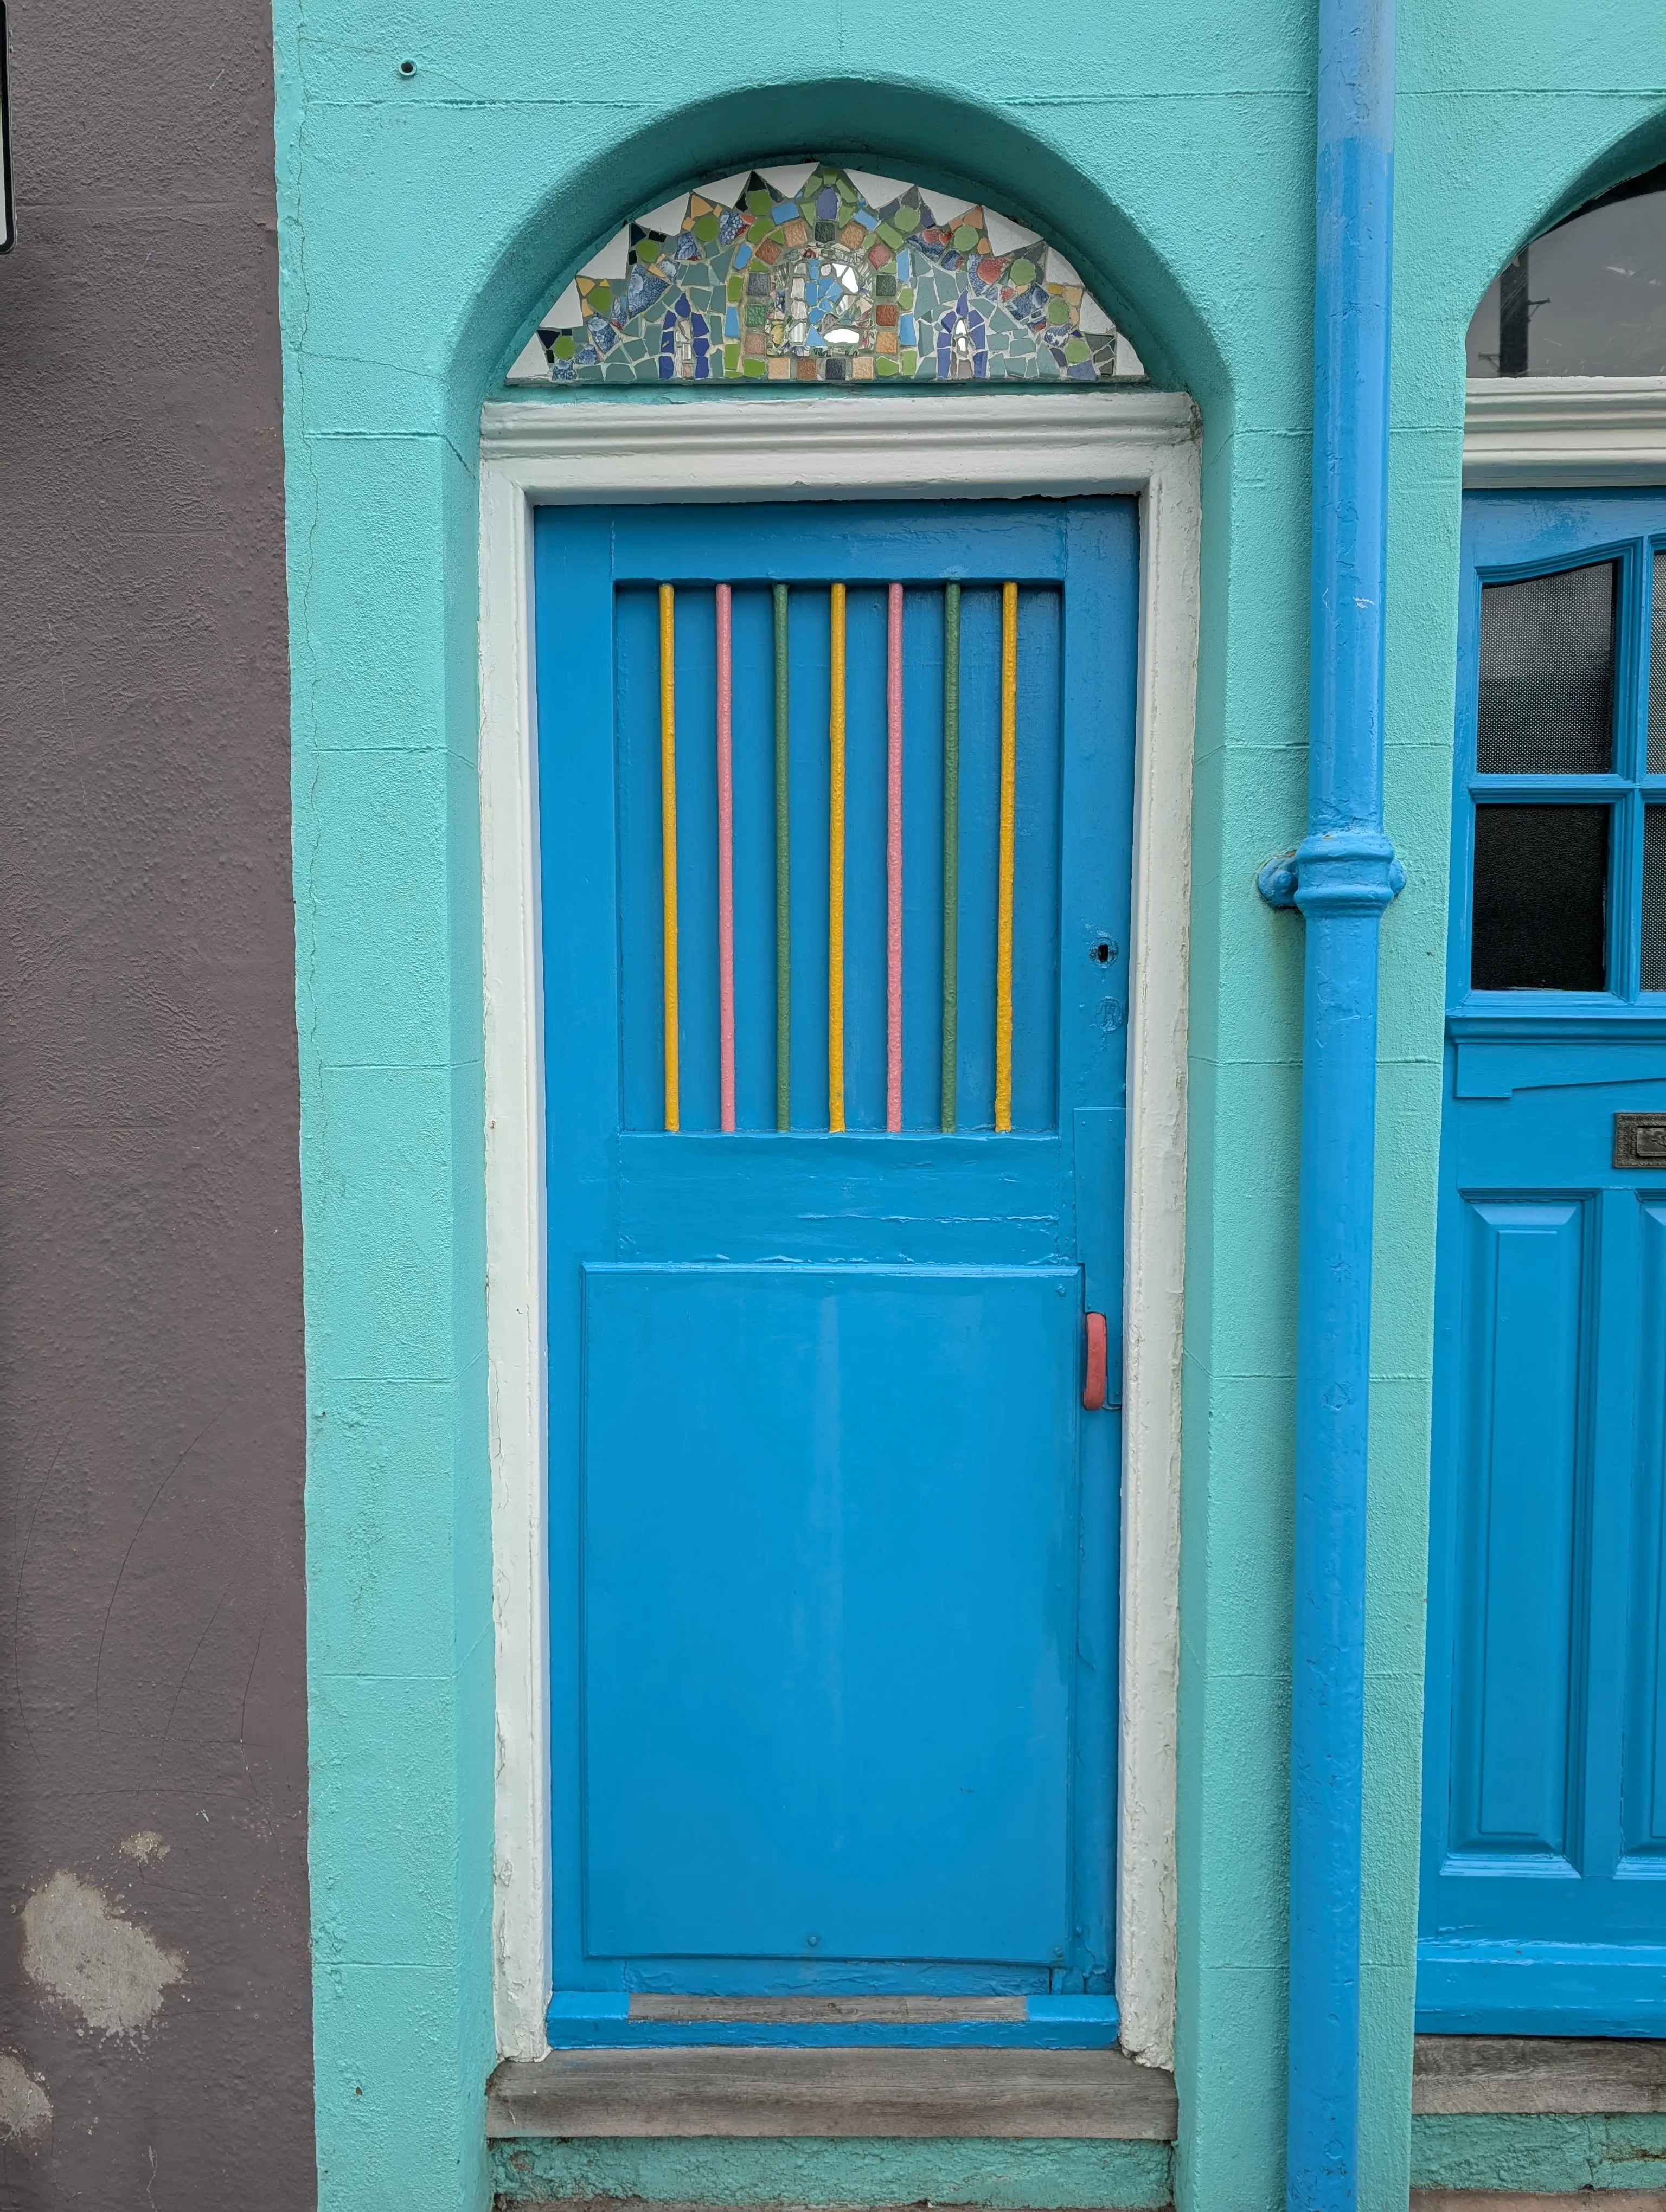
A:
[(1102, 951)]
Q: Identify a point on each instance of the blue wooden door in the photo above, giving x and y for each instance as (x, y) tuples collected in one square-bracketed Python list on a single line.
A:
[(1543, 1906), (834, 805)]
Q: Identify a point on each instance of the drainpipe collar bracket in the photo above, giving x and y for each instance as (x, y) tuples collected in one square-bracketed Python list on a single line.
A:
[(1345, 871)]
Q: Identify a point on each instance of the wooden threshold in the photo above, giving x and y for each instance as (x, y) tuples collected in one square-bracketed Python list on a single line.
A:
[(647, 2004), (1538, 2074), (701, 2089)]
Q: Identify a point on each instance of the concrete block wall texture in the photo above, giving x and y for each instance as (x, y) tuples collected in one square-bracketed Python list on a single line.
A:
[(1543, 2155), (424, 220), (155, 2008), (1008, 2173)]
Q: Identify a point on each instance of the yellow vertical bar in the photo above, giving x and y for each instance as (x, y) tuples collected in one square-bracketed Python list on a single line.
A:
[(668, 836), (1009, 780), (836, 866)]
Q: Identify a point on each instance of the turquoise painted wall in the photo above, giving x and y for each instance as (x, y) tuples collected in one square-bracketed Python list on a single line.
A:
[(963, 2171), (1538, 2156), (423, 222)]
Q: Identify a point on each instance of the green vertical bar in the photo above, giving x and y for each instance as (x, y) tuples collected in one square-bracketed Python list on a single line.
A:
[(784, 902), (951, 845)]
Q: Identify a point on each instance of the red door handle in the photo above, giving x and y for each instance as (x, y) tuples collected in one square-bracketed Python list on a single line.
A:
[(1093, 1389)]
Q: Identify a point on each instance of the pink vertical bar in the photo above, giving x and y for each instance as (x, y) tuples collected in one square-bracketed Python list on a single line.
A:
[(725, 859), (894, 861)]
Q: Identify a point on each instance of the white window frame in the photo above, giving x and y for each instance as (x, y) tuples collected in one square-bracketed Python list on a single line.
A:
[(839, 447)]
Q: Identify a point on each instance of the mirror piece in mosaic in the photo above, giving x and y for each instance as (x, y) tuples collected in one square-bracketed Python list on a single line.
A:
[(804, 272)]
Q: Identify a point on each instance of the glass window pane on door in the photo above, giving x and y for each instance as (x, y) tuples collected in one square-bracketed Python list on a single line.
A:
[(1654, 898), (1547, 674), (919, 824), (1586, 298), (1541, 903)]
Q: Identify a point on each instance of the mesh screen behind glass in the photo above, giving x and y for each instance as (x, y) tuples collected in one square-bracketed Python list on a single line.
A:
[(1654, 898), (1541, 903), (1547, 674), (1657, 670)]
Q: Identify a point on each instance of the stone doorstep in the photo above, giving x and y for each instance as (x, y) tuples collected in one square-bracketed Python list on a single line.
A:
[(1540, 2073), (1526, 2074), (863, 2091), (1423, 2200), (502, 2203), (1506, 2200), (730, 2092)]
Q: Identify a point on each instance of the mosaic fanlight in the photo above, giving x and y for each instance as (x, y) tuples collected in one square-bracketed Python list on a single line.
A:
[(808, 272)]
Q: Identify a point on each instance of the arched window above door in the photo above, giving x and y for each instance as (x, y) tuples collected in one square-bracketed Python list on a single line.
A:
[(810, 272), (1587, 298)]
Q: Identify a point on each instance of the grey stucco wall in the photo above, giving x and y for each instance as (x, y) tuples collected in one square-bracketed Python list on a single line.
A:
[(155, 2008)]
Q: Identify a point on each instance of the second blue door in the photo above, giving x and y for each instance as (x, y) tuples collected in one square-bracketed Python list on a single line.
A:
[(836, 826), (1543, 1906)]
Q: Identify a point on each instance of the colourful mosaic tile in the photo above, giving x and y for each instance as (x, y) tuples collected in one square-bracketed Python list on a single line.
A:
[(805, 271)]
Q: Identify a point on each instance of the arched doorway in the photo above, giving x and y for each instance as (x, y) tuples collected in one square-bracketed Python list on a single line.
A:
[(1544, 1765), (686, 833)]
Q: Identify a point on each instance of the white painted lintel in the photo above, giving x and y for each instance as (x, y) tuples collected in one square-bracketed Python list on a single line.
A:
[(1567, 432)]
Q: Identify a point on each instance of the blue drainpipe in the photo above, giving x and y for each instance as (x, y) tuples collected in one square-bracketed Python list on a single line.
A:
[(1341, 877)]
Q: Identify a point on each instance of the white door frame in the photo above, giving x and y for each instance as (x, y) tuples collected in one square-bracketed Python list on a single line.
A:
[(839, 446)]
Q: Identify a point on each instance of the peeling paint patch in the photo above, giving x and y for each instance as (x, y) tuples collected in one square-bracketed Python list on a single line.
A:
[(25, 2110), (146, 1848), (78, 1948)]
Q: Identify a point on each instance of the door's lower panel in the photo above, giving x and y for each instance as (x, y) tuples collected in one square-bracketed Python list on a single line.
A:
[(1524, 1390), (1542, 1908), (829, 1587)]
